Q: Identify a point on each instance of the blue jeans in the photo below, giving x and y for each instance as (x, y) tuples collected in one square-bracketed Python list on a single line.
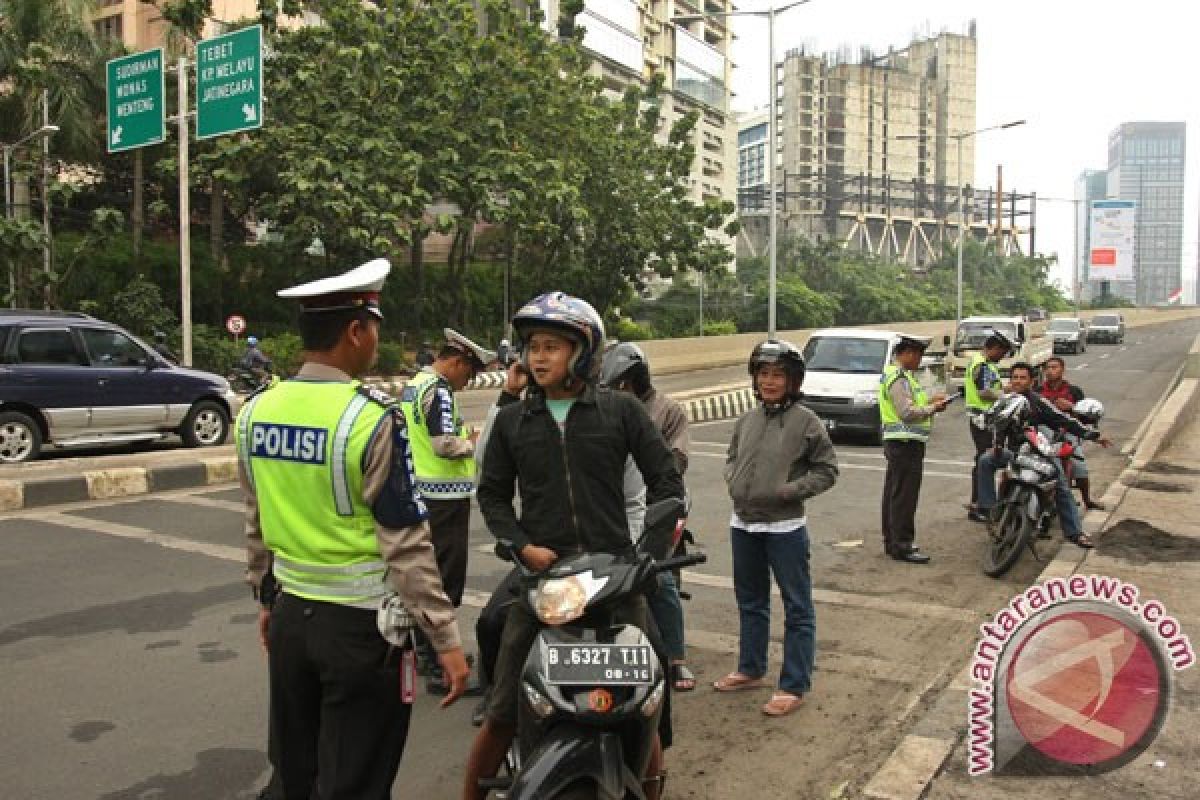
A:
[(755, 557), (1068, 513), (667, 610)]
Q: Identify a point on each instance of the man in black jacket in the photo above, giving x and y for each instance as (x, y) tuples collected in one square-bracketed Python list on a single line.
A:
[(564, 449), (1042, 414)]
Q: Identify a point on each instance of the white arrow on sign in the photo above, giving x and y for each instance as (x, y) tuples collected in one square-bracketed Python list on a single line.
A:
[(250, 112), (116, 135)]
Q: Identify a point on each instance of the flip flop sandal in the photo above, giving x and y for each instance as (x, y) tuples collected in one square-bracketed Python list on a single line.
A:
[(737, 682), (682, 678), (782, 703)]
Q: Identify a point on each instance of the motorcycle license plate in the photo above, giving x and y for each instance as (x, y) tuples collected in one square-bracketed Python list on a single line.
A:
[(601, 664)]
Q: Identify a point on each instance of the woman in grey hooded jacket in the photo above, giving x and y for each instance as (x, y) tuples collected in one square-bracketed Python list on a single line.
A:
[(779, 457)]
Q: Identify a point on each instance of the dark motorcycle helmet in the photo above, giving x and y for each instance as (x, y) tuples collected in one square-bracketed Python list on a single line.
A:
[(569, 316), (625, 362), (777, 351)]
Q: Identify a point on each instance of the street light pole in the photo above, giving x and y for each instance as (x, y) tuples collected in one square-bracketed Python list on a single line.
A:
[(45, 130), (962, 233), (772, 232)]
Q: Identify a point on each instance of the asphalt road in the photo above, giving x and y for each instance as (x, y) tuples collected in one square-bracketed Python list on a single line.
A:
[(132, 671)]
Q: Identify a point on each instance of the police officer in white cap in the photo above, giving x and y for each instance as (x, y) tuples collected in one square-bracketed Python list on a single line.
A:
[(443, 450), (333, 525)]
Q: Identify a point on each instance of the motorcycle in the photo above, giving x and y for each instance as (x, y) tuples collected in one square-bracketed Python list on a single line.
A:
[(247, 381), (1027, 506), (592, 691)]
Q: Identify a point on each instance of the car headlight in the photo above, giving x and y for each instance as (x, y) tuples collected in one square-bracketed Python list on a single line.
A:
[(866, 397), (560, 600)]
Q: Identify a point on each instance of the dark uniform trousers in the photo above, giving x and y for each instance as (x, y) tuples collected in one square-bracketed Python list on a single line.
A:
[(901, 488), (983, 442), (338, 722), (449, 524)]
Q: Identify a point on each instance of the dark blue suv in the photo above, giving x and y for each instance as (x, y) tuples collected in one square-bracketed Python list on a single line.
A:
[(71, 380)]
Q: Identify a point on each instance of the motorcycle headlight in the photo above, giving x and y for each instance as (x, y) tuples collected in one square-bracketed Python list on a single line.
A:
[(1028, 462), (653, 700), (558, 601), (866, 397)]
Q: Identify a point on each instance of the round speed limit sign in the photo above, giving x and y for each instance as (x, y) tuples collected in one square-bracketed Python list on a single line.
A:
[(236, 324)]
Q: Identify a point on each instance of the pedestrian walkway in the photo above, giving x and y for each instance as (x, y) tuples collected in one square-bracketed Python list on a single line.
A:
[(1152, 541)]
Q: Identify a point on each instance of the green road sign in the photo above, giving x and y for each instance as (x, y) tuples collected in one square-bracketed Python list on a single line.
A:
[(136, 112), (229, 95)]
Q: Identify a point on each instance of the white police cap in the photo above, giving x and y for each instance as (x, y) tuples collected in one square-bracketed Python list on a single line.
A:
[(459, 342), (358, 288)]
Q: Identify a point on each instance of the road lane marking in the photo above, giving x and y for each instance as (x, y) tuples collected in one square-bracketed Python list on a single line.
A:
[(871, 467), (221, 551), (1105, 355), (209, 502), (1081, 366)]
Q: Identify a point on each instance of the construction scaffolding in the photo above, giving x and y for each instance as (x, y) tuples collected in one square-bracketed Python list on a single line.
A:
[(907, 221)]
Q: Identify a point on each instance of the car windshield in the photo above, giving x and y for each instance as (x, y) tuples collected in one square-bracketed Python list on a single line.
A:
[(1104, 321), (838, 354), (974, 334), (1065, 325)]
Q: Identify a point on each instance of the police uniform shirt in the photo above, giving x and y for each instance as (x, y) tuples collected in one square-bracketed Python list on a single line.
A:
[(902, 398), (408, 552), (437, 405), (986, 381)]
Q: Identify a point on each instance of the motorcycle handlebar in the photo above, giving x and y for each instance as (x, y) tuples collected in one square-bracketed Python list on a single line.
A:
[(679, 562)]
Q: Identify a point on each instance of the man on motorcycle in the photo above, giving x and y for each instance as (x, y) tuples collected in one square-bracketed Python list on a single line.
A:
[(564, 448), (1041, 414), (254, 359), (1064, 396)]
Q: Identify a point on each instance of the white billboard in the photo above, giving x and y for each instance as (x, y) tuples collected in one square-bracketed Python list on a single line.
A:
[(1113, 230)]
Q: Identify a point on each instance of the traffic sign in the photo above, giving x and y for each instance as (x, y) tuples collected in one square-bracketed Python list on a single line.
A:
[(236, 324), (136, 112), (229, 94)]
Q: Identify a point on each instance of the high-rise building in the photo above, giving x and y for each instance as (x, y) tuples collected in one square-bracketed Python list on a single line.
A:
[(140, 26), (634, 39), (1091, 185), (752, 160), (1146, 165), (868, 150)]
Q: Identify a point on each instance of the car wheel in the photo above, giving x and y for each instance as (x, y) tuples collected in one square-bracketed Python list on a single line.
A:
[(20, 438), (206, 425)]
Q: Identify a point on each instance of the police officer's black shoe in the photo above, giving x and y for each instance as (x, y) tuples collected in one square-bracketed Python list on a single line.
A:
[(912, 556)]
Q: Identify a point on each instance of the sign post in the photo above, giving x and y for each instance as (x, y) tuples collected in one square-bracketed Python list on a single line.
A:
[(236, 325), (136, 109), (229, 92)]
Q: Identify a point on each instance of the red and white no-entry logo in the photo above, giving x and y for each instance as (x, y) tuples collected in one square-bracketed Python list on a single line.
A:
[(1086, 688), (236, 324)]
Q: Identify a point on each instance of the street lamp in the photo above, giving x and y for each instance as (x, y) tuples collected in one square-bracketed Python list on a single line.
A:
[(962, 232), (769, 14), (45, 130)]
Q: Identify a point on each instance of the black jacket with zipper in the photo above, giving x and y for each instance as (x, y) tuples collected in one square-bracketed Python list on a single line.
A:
[(571, 483)]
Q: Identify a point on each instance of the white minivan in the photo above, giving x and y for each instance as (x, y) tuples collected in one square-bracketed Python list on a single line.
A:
[(841, 383)]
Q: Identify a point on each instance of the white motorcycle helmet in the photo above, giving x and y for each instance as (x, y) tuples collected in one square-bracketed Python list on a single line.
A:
[(1089, 410)]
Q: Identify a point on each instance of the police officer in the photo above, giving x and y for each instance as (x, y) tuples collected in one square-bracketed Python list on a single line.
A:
[(982, 387), (907, 415), (443, 451), (333, 520)]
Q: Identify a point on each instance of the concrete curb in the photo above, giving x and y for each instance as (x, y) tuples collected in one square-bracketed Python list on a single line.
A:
[(921, 755), (723, 405), (106, 484)]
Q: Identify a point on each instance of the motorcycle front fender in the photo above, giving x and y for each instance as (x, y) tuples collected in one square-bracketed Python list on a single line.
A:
[(1033, 506), (570, 753)]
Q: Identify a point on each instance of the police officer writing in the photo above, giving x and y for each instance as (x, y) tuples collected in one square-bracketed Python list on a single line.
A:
[(443, 450), (333, 521), (907, 415), (982, 387)]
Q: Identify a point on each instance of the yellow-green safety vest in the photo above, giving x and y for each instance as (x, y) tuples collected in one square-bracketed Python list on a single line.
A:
[(437, 478), (895, 428), (974, 401), (302, 445)]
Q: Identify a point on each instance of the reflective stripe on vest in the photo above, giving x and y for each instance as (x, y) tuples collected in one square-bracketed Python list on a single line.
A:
[(974, 401), (437, 477), (894, 428), (305, 443)]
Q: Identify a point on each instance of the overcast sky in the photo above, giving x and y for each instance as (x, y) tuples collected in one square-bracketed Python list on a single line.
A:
[(1075, 70)]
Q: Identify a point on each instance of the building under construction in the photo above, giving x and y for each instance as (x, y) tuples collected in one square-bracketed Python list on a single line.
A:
[(871, 153)]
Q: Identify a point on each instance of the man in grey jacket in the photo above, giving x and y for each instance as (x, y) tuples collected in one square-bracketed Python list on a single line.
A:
[(779, 457)]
